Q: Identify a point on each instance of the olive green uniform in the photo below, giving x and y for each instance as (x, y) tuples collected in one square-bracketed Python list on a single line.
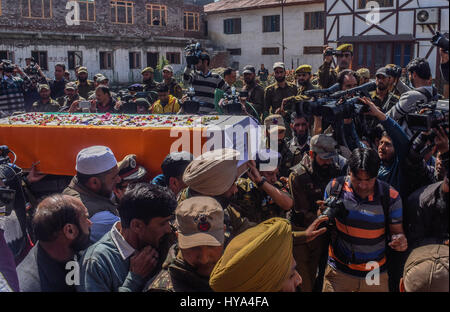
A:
[(66, 102), (256, 97), (289, 158), (174, 88), (255, 204), (83, 90), (274, 95), (51, 107), (327, 75)]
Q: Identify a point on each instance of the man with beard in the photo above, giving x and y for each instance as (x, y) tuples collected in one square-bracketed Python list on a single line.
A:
[(303, 78), (168, 80), (275, 126), (97, 175), (363, 75), (275, 93), (200, 233), (84, 85), (133, 251), (58, 84), (328, 76), (258, 200), (396, 85), (382, 97), (61, 224), (71, 96), (147, 79), (255, 91), (301, 137), (45, 104), (307, 183), (420, 76)]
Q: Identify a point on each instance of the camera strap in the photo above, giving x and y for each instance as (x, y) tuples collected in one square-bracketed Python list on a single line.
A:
[(430, 97)]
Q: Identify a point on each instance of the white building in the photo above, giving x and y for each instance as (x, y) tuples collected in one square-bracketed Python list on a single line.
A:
[(399, 32), (251, 30)]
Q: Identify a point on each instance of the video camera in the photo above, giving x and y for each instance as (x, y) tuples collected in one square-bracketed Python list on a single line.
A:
[(193, 53), (362, 90), (436, 116), (7, 66), (323, 92), (190, 106), (441, 41), (10, 176), (32, 68), (232, 103), (335, 208)]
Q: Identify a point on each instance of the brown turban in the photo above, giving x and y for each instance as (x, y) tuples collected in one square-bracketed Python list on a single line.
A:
[(258, 260), (212, 173)]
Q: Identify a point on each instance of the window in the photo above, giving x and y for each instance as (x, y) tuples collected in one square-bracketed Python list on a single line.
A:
[(87, 10), (135, 60), (156, 15), (374, 55), (36, 8), (191, 21), (314, 20), (383, 3), (271, 23), (271, 51), (106, 60), (173, 57), (234, 51), (122, 12), (232, 26), (41, 58), (313, 50), (75, 59), (7, 55)]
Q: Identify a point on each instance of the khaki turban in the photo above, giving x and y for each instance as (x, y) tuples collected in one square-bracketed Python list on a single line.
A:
[(258, 260), (212, 173)]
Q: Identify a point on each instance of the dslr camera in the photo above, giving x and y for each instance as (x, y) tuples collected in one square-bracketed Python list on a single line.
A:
[(231, 104), (334, 208), (441, 41), (333, 53), (193, 53)]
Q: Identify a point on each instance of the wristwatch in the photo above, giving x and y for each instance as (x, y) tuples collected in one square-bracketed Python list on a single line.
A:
[(260, 183)]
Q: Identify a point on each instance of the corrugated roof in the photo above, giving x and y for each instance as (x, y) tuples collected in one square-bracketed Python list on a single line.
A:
[(232, 5)]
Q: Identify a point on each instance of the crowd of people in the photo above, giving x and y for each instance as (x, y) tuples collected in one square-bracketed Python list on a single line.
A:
[(340, 198)]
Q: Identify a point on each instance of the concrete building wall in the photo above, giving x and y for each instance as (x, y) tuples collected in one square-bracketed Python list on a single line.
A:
[(252, 39)]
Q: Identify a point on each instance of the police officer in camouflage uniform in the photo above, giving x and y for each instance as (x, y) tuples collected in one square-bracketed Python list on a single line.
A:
[(275, 126), (45, 104), (307, 183), (261, 195), (200, 231), (71, 91), (327, 75), (301, 137), (174, 88), (84, 84), (147, 79)]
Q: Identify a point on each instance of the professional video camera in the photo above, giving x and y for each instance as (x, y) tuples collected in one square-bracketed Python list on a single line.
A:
[(436, 116), (335, 208), (441, 41), (323, 92), (231, 104), (32, 68), (362, 90), (7, 66), (193, 53), (190, 106), (333, 53)]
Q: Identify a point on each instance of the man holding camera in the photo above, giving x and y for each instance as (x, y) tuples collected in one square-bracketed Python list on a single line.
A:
[(365, 213), (255, 91), (344, 57), (45, 104), (307, 184), (71, 95), (420, 76), (203, 81), (12, 89)]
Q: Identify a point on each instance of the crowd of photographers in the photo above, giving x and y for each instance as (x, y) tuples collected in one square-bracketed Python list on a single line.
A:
[(357, 199)]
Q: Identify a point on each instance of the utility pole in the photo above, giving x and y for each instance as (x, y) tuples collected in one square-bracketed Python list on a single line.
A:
[(282, 27)]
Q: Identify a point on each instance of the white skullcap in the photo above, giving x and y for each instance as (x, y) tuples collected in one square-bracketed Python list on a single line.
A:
[(95, 160)]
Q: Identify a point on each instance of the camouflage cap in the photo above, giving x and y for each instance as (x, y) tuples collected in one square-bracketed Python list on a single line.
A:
[(200, 222), (274, 122), (249, 69), (147, 69), (168, 68), (363, 72), (279, 65), (71, 85), (43, 86), (324, 146), (426, 269), (346, 47), (82, 70), (304, 69), (129, 170), (102, 79)]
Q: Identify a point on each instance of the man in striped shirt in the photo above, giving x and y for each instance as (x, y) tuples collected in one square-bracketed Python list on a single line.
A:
[(12, 90), (357, 253), (204, 83)]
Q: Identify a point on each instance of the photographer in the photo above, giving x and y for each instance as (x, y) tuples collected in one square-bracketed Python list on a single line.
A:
[(420, 76), (366, 213), (104, 102), (307, 184), (71, 95), (12, 89), (396, 85), (428, 214), (202, 80), (344, 57)]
